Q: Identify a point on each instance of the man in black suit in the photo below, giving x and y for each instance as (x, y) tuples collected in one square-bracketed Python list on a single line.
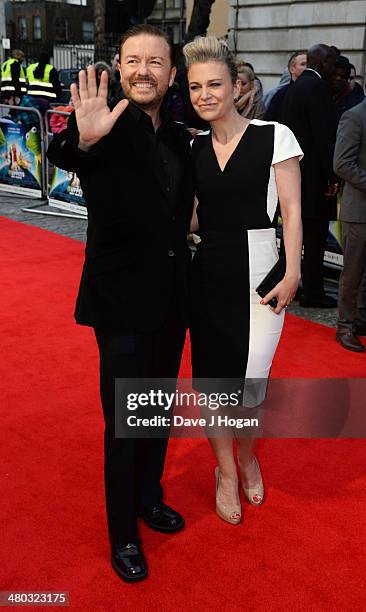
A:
[(308, 109), (134, 165)]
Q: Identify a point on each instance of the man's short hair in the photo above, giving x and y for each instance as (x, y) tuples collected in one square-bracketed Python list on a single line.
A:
[(293, 57), (145, 28), (342, 62), (17, 54)]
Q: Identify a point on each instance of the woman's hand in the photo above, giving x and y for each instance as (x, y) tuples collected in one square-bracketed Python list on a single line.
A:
[(284, 291), (93, 116)]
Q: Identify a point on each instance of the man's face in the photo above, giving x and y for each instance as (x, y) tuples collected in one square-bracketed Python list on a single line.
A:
[(298, 66), (146, 70), (339, 80)]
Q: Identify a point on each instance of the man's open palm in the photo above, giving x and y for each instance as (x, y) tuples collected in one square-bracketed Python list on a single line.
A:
[(93, 116)]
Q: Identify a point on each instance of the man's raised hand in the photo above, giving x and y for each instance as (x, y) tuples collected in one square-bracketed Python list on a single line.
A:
[(93, 116)]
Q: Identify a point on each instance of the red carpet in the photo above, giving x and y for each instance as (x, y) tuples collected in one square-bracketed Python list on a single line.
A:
[(304, 549)]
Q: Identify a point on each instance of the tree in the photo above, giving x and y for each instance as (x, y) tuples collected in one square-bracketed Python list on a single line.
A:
[(99, 21), (200, 19)]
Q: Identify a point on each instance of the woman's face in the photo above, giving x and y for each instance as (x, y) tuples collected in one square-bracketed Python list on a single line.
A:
[(245, 84), (211, 89)]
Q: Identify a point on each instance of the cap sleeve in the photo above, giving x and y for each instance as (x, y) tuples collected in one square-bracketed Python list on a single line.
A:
[(285, 144)]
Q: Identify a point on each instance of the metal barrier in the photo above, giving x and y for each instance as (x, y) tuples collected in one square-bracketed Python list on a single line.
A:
[(74, 210), (39, 156), (18, 155)]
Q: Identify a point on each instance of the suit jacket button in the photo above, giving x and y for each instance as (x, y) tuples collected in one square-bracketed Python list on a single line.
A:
[(171, 253)]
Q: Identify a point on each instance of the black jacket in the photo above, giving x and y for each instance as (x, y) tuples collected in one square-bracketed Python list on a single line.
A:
[(309, 111), (136, 257)]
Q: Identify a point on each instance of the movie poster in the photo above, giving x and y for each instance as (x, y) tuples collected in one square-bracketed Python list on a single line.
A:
[(66, 193), (20, 159)]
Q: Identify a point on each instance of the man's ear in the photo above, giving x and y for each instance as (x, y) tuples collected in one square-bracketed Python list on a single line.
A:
[(173, 72)]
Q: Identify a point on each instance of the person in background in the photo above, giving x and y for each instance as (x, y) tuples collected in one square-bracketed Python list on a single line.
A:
[(43, 81), (344, 95), (350, 165), (26, 118), (116, 91), (99, 68), (257, 80), (296, 66), (309, 111), (353, 83), (13, 77), (250, 103)]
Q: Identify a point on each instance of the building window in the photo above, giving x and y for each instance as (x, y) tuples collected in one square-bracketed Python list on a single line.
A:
[(88, 31), (61, 29), (22, 28), (175, 4), (37, 30)]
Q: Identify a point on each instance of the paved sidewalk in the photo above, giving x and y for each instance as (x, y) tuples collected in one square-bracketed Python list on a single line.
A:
[(11, 207)]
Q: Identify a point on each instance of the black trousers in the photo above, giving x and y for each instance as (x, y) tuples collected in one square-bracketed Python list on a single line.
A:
[(133, 468), (352, 282), (315, 232)]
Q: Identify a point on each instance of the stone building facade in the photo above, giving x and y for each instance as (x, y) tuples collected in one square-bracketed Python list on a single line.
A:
[(266, 32)]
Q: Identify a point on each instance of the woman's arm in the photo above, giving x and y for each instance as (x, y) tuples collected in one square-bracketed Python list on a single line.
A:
[(194, 220), (288, 181)]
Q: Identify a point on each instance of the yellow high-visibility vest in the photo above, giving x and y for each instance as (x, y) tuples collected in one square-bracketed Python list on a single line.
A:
[(7, 84), (43, 86)]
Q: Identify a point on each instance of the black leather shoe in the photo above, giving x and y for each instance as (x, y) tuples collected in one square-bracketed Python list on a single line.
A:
[(349, 341), (325, 301), (129, 562), (162, 518), (360, 330)]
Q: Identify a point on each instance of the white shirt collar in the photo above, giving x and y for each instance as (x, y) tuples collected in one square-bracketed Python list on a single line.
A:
[(312, 70)]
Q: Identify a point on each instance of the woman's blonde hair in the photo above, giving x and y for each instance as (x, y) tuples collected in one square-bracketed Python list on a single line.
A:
[(243, 69), (210, 49)]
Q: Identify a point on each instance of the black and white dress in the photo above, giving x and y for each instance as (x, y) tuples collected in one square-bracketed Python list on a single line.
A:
[(233, 336)]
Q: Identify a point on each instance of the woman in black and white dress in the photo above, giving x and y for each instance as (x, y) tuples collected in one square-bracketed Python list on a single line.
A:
[(241, 168)]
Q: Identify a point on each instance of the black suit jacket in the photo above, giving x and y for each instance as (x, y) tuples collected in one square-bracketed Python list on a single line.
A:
[(136, 257), (309, 111)]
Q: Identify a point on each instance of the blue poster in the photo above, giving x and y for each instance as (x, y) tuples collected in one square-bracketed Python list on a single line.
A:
[(65, 192), (20, 159)]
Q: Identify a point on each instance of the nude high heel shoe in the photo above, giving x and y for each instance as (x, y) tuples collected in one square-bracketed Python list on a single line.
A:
[(230, 514), (254, 495)]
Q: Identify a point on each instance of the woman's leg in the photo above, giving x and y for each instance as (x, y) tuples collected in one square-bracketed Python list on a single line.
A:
[(227, 490), (250, 473)]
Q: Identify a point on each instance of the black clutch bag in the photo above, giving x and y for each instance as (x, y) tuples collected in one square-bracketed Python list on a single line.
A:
[(274, 276)]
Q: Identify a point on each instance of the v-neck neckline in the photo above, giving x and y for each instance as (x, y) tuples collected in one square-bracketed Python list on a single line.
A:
[(222, 170)]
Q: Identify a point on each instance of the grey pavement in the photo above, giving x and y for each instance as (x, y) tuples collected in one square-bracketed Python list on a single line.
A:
[(11, 207)]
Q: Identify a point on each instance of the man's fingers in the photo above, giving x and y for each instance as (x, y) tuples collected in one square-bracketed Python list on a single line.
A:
[(92, 83), (83, 89), (103, 85), (118, 109), (75, 96)]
